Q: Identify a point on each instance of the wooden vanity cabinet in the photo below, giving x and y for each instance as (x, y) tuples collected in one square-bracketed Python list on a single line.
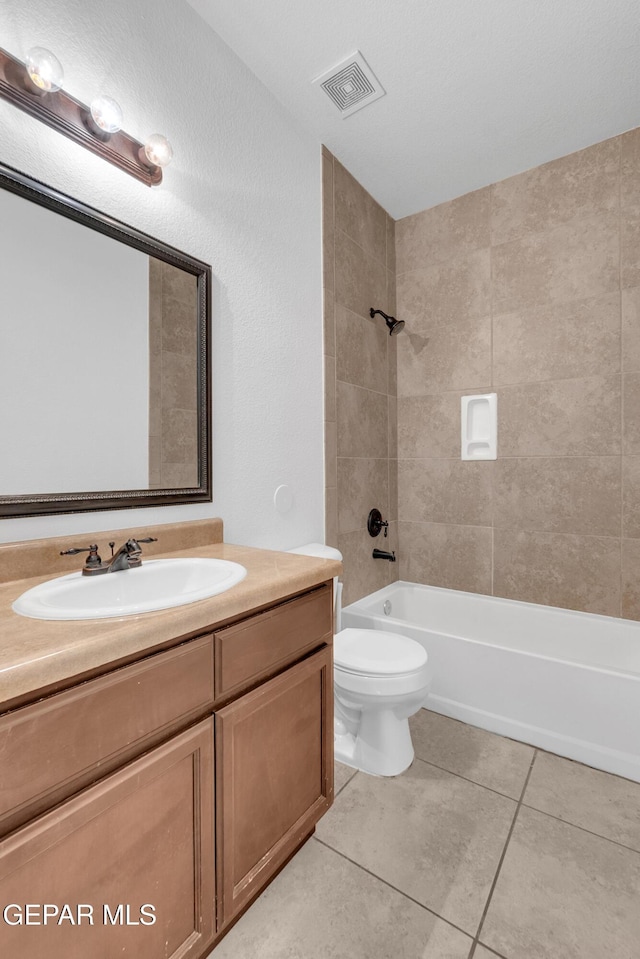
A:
[(183, 782), (274, 762)]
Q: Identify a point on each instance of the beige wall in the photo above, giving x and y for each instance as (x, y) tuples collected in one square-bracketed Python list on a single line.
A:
[(360, 366), (530, 288)]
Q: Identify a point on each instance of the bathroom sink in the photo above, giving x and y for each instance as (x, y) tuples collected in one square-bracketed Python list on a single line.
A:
[(157, 584)]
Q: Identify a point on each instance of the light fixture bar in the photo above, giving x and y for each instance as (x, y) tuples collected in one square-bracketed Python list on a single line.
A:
[(67, 115)]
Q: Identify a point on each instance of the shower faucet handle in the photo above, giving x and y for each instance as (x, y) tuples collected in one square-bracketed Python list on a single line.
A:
[(375, 523)]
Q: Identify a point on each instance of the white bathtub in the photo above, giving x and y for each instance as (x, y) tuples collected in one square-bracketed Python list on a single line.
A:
[(567, 682)]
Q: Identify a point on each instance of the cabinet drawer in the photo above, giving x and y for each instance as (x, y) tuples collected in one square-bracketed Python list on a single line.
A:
[(261, 645), (56, 746)]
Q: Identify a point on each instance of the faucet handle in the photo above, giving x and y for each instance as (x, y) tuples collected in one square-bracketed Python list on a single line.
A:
[(375, 523), (92, 560), (149, 539)]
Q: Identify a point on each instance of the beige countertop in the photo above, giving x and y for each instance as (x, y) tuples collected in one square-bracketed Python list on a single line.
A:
[(39, 656)]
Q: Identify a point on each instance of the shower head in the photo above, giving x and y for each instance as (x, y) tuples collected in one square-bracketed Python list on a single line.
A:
[(394, 325)]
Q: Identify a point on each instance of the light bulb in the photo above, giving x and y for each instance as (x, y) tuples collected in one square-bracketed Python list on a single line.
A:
[(44, 69), (158, 150), (106, 114)]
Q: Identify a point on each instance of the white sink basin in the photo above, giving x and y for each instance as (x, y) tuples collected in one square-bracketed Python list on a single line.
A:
[(157, 584)]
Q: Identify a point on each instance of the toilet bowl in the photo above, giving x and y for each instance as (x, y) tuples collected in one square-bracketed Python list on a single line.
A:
[(380, 680)]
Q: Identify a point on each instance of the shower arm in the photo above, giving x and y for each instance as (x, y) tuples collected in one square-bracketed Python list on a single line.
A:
[(394, 325), (388, 319)]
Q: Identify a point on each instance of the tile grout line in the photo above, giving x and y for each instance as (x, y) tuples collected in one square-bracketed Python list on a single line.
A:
[(400, 891), (488, 949), (389, 885), (510, 386), (493, 389), (574, 825), (509, 529), (328, 522), (387, 355), (333, 224), (518, 742), (515, 238), (344, 785), (367, 253), (357, 385), (520, 802), (502, 858), (375, 459), (473, 782), (621, 358), (525, 456)]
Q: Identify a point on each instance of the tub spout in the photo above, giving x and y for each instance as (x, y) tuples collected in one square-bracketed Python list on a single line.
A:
[(383, 554)]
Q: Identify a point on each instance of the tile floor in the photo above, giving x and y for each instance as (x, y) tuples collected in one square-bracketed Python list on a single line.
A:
[(485, 847)]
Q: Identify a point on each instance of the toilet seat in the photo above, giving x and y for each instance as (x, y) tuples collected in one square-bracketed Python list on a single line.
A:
[(376, 653)]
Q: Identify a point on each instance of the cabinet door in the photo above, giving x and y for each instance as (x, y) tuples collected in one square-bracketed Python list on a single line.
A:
[(138, 844), (274, 762)]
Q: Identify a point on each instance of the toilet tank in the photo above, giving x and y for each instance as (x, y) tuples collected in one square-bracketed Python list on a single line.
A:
[(326, 552)]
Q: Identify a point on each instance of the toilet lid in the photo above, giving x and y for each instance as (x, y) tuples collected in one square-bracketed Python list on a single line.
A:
[(375, 652)]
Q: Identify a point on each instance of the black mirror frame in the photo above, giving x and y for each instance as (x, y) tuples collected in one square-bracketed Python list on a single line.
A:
[(46, 503)]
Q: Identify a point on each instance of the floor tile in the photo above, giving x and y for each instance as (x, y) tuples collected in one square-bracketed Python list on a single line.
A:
[(434, 836), (476, 754), (598, 801), (483, 953), (341, 776), (323, 907), (563, 893)]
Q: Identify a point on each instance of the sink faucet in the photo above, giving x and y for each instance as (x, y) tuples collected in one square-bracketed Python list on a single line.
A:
[(129, 556)]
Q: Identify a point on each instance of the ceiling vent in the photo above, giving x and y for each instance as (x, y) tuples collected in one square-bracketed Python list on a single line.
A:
[(351, 85)]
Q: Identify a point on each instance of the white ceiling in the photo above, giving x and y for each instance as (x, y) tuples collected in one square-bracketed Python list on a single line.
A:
[(477, 90)]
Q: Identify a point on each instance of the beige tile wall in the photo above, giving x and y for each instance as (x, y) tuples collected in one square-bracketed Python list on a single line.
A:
[(529, 288), (173, 418), (360, 377)]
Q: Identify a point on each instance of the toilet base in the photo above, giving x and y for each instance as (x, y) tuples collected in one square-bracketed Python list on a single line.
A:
[(344, 748), (382, 746)]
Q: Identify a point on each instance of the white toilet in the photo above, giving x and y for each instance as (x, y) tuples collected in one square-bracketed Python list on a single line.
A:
[(380, 679)]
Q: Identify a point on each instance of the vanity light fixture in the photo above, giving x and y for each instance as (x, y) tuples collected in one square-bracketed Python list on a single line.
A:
[(44, 69), (157, 151), (36, 87), (106, 116)]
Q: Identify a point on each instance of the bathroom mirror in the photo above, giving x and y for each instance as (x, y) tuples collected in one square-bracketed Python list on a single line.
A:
[(105, 396)]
